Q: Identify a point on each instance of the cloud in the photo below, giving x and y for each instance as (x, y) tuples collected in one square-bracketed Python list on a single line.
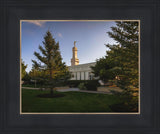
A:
[(36, 22), (60, 35)]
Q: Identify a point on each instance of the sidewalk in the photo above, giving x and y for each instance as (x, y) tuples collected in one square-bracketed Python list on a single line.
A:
[(71, 89), (33, 88)]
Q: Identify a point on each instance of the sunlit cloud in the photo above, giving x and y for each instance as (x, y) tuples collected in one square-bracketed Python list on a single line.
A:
[(37, 22), (60, 35)]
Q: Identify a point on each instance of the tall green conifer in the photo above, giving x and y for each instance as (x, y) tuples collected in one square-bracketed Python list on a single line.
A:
[(23, 69), (50, 61), (125, 54)]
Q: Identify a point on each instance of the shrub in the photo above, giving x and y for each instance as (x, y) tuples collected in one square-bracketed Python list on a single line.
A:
[(92, 85), (74, 83), (89, 84), (82, 86)]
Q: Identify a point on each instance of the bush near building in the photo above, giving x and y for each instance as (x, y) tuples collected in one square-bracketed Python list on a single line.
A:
[(89, 84)]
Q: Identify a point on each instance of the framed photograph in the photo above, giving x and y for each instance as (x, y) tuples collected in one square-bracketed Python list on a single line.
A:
[(97, 74), (79, 67)]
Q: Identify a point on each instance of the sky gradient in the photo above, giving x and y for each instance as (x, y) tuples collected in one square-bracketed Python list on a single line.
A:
[(91, 37)]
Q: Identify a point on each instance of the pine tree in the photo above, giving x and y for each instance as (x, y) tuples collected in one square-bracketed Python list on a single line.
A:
[(23, 69), (125, 54), (122, 63), (50, 62), (101, 69)]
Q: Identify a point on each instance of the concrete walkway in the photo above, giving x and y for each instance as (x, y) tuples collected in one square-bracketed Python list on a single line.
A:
[(61, 90), (95, 92), (85, 91), (33, 88), (71, 89)]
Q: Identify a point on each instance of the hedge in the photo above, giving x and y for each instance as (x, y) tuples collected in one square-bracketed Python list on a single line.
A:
[(89, 84)]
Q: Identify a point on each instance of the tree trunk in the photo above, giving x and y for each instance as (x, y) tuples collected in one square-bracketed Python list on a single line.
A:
[(51, 89)]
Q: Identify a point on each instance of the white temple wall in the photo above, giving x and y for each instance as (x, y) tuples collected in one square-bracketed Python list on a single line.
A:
[(73, 76), (86, 75), (78, 75), (82, 75), (81, 72)]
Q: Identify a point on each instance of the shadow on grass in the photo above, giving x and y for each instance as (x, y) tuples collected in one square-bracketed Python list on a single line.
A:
[(122, 107)]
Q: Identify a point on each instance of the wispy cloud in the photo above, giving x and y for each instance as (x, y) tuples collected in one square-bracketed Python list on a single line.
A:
[(37, 22), (60, 35)]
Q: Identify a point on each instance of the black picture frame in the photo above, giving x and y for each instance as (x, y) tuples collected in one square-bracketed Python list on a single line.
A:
[(12, 11)]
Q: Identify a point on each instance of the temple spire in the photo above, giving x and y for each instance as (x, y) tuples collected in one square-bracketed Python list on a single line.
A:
[(74, 60)]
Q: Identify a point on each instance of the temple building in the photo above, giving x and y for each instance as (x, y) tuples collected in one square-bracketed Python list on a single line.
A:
[(80, 71)]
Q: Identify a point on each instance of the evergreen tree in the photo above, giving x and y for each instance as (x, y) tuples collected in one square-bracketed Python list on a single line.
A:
[(124, 56), (121, 63), (23, 69), (101, 69), (121, 60), (50, 62)]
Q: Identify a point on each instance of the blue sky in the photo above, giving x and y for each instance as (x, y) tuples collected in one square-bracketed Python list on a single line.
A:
[(91, 38)]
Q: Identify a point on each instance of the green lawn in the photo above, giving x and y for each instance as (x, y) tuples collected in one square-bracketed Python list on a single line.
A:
[(31, 85), (71, 102)]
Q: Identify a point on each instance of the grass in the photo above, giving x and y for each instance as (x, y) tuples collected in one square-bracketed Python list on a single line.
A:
[(71, 102), (31, 85)]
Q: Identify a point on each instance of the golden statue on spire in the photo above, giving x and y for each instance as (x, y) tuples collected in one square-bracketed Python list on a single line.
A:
[(75, 43)]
